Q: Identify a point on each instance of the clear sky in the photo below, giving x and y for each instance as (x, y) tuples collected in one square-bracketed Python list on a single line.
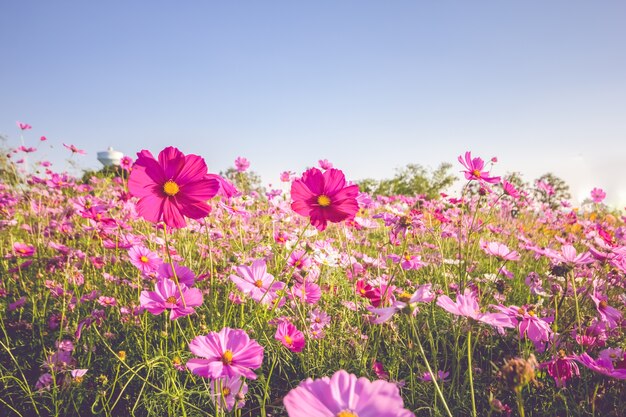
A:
[(368, 85)]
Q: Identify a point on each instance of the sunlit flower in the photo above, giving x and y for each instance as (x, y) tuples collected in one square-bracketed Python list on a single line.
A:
[(345, 395), (229, 353), (324, 197), (474, 169), (167, 295), (229, 391), (290, 337), (467, 305), (256, 282), (172, 188)]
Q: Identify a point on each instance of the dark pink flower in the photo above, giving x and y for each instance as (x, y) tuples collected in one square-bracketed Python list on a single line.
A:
[(74, 149), (562, 367), (324, 197), (172, 188), (229, 353), (290, 337), (603, 365), (474, 169), (23, 126), (23, 250), (345, 395), (179, 299)]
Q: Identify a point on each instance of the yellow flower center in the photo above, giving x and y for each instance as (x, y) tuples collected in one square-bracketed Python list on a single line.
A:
[(404, 297), (227, 357), (171, 188), (603, 304), (258, 283), (288, 340), (346, 413), (171, 299), (144, 259), (323, 200), (225, 391), (476, 173)]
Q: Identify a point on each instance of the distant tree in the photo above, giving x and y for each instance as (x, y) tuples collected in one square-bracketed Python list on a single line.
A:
[(8, 170), (245, 182), (412, 180), (551, 190)]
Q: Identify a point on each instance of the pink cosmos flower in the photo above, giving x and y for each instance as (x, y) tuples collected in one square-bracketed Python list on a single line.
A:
[(324, 164), (307, 292), (256, 283), (23, 126), (179, 299), (126, 163), (23, 250), (43, 138), (610, 315), (598, 195), (467, 305), (562, 367), (226, 392), (509, 189), (604, 365), (423, 294), (229, 353), (324, 197), (172, 188), (536, 329), (74, 149), (242, 164), (286, 176), (345, 395), (499, 250), (144, 259), (441, 376), (290, 337), (474, 169), (226, 188), (568, 255), (183, 274)]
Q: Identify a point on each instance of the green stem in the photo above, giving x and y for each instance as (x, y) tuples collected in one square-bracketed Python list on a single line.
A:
[(471, 372)]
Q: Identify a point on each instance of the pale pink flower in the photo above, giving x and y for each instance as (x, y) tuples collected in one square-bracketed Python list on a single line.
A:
[(23, 126), (345, 395), (499, 250), (144, 259), (467, 305), (256, 282)]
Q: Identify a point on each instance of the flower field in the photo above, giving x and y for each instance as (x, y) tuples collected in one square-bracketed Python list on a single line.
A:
[(166, 290)]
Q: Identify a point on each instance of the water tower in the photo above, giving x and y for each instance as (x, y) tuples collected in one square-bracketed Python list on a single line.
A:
[(110, 157)]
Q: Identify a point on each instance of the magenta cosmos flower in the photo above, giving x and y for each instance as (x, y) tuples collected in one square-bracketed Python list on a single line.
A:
[(229, 353), (474, 169), (324, 197), (171, 188), (345, 395), (290, 337), (167, 295)]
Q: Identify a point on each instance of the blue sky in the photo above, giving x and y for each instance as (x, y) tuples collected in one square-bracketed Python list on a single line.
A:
[(369, 85)]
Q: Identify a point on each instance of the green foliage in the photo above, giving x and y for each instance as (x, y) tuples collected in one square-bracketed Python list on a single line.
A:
[(558, 190), (245, 182), (412, 180), (110, 172)]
